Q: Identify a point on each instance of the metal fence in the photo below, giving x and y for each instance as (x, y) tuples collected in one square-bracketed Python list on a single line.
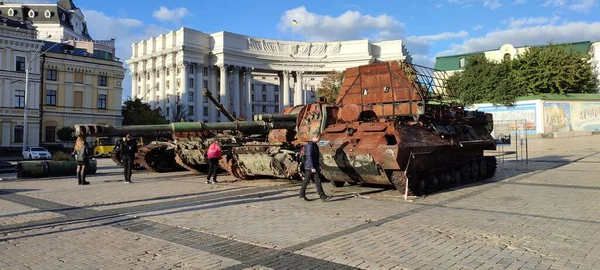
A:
[(511, 139)]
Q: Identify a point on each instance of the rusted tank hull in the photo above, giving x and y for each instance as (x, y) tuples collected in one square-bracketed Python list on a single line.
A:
[(255, 159), (380, 153)]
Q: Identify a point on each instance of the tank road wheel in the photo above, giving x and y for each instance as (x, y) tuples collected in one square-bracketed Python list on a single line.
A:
[(436, 179), (466, 173), (483, 171), (456, 177), (337, 184), (447, 178), (475, 171)]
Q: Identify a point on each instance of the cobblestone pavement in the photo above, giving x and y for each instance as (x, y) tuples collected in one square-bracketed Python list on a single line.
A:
[(540, 214)]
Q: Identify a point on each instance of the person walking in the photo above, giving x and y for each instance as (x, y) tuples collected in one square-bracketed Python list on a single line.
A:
[(214, 153), (128, 150), (82, 156), (312, 169)]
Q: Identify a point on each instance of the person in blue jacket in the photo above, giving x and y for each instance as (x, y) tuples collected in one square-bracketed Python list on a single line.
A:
[(312, 169)]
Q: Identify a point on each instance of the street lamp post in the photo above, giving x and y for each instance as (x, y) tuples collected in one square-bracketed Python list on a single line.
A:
[(27, 67)]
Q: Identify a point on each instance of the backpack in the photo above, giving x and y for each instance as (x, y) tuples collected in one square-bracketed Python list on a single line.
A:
[(214, 151)]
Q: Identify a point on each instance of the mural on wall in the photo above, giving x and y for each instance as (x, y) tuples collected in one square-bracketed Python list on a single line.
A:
[(507, 120), (570, 116)]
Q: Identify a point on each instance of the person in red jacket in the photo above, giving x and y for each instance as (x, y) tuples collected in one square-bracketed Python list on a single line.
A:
[(214, 153)]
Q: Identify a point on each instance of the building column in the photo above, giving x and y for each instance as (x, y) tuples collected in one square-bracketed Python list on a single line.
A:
[(249, 115), (162, 88), (286, 89), (298, 92), (6, 132), (280, 92), (199, 99), (173, 87), (184, 88), (212, 70), (224, 98), (134, 81), (236, 92)]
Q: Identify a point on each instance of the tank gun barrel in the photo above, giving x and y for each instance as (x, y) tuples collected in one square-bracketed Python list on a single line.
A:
[(219, 106), (244, 126), (275, 117)]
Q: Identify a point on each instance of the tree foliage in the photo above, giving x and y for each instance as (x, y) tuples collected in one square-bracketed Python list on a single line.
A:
[(551, 69), (179, 113), (138, 113), (65, 134), (330, 86)]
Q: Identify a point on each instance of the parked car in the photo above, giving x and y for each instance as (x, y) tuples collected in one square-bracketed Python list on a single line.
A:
[(36, 153)]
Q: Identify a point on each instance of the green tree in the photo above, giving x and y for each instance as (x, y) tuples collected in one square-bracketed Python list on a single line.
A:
[(551, 69), (138, 113), (330, 86), (65, 134)]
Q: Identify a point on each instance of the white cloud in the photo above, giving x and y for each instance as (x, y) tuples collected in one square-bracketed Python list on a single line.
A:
[(125, 31), (174, 15), (536, 35), (349, 25), (478, 27), (492, 4), (575, 5), (517, 23), (354, 25)]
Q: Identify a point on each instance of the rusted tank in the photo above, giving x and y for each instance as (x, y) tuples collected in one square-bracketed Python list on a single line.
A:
[(397, 126)]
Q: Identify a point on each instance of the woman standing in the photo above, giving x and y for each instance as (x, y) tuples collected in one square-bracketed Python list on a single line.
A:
[(214, 153), (81, 152)]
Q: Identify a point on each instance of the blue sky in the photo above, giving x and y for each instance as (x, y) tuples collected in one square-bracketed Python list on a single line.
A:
[(429, 27)]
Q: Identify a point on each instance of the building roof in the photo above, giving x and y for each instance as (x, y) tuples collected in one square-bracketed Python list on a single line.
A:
[(64, 48), (16, 23), (450, 62), (43, 13)]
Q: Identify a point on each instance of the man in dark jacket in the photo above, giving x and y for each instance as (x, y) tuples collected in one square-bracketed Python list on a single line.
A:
[(128, 150), (312, 169)]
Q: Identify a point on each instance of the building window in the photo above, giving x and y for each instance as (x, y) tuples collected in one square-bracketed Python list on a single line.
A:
[(264, 87), (312, 88), (18, 134), (276, 97), (51, 97), (20, 63), (192, 69), (139, 78), (168, 84), (461, 62), (51, 75), (102, 101), (168, 111), (102, 80), (78, 99), (276, 108), (169, 71), (205, 71), (190, 110), (50, 134), (264, 108), (264, 97), (276, 88), (191, 97), (507, 56), (205, 84), (19, 98), (78, 77), (205, 111), (191, 83)]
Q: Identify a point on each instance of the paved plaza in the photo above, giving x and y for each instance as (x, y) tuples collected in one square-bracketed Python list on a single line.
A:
[(540, 214)]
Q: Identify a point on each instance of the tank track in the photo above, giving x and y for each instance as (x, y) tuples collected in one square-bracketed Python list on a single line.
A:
[(114, 155), (180, 162), (155, 157), (230, 165), (425, 182)]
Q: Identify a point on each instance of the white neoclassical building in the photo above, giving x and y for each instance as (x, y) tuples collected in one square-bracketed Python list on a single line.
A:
[(261, 75)]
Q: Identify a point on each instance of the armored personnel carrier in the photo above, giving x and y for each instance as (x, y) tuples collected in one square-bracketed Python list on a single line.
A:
[(396, 125)]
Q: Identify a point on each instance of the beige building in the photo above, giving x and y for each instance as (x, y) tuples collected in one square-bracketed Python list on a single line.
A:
[(248, 75), (79, 87), (18, 42)]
